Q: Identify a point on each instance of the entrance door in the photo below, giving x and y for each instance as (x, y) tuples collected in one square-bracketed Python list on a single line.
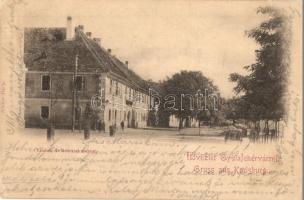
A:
[(129, 119)]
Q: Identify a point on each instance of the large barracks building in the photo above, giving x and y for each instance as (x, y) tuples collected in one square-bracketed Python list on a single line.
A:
[(67, 70)]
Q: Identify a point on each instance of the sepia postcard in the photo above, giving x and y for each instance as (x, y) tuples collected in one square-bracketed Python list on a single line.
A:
[(151, 99)]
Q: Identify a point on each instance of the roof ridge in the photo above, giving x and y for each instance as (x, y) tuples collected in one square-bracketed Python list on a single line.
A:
[(127, 75), (95, 54), (83, 37)]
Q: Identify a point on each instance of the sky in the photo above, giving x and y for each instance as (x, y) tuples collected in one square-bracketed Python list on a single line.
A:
[(160, 38)]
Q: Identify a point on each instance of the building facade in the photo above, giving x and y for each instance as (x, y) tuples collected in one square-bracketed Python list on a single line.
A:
[(69, 73)]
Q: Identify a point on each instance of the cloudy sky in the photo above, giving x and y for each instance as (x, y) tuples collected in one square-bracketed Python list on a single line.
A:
[(160, 38)]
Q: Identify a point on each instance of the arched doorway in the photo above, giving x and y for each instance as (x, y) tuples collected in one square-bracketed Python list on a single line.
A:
[(129, 119), (134, 119)]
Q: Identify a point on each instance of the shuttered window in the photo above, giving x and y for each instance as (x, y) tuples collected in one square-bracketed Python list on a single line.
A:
[(79, 83), (45, 82), (44, 112)]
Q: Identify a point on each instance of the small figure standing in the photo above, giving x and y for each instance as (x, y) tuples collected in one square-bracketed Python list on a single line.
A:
[(99, 125), (122, 125), (112, 130)]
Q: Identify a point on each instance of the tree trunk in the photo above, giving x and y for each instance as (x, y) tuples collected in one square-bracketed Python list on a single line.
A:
[(199, 127), (276, 129), (266, 124), (258, 126)]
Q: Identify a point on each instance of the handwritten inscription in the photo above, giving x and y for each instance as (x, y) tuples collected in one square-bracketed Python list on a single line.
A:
[(134, 169), (2, 95), (13, 67)]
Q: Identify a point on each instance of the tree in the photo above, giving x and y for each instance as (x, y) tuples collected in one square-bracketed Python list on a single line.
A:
[(232, 109), (184, 86), (264, 88), (204, 116)]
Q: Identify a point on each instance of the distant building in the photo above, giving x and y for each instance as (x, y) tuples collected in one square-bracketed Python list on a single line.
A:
[(66, 69)]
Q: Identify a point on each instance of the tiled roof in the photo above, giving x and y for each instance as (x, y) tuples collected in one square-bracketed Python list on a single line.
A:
[(45, 49)]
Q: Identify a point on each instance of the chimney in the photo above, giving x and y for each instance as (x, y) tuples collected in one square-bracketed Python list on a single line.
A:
[(89, 34), (69, 28), (80, 28), (97, 40), (109, 51), (127, 63)]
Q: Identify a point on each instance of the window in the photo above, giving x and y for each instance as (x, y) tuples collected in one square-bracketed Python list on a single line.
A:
[(78, 83), (111, 82), (46, 82), (130, 94), (116, 88), (138, 97), (109, 115), (120, 90), (44, 112), (133, 95)]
